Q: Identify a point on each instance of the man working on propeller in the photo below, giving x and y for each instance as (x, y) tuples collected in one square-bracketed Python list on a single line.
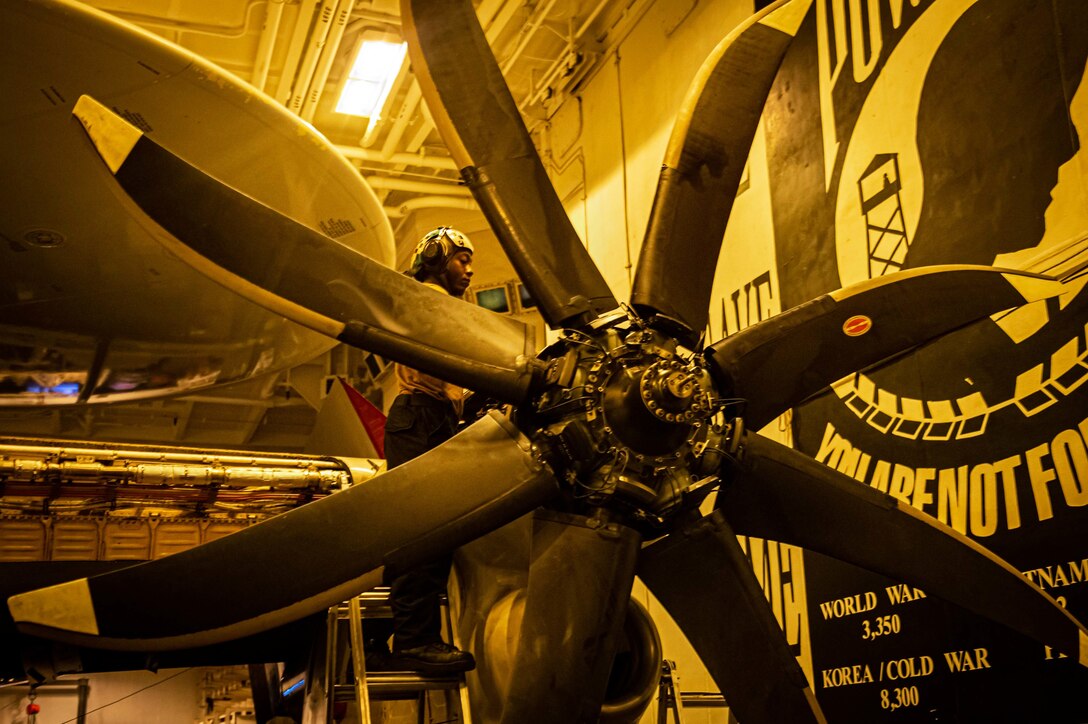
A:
[(425, 414)]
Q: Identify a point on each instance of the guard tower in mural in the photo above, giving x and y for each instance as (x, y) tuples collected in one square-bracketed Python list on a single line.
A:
[(885, 227)]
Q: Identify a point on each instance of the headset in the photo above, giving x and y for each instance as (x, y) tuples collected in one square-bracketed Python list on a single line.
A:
[(435, 250)]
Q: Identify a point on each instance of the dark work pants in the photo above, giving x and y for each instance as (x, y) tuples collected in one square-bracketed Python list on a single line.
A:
[(417, 423)]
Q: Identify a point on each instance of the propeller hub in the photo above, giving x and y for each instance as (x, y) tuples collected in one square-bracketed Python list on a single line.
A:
[(631, 418), (646, 428), (673, 392)]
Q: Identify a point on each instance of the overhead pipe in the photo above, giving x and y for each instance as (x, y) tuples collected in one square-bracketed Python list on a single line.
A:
[(550, 76), (407, 112), (426, 125), (590, 18), (422, 130), (419, 187), (557, 65), (267, 43), (498, 15), (376, 16), (431, 202), (325, 14), (535, 21), (404, 116), (294, 50), (407, 159), (328, 56)]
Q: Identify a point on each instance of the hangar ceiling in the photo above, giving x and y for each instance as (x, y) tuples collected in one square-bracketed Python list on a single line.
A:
[(300, 52)]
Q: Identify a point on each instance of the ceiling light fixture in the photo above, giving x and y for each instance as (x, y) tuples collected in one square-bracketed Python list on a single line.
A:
[(368, 83)]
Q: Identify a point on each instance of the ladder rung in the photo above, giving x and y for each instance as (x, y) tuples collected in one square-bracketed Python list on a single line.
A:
[(392, 685), (383, 685), (375, 604)]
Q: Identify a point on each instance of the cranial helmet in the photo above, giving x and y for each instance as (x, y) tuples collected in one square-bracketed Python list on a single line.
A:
[(435, 249)]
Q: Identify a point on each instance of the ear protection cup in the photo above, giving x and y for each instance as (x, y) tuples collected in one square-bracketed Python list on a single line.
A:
[(435, 250), (433, 254)]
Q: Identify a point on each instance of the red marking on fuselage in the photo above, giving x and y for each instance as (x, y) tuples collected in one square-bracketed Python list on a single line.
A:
[(857, 325)]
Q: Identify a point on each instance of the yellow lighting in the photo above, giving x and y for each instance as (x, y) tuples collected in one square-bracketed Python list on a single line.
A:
[(371, 78)]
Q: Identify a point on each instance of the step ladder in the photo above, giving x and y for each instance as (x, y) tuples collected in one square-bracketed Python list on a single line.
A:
[(668, 695), (670, 700), (383, 685)]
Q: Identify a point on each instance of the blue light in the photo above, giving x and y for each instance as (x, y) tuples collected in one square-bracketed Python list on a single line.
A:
[(64, 388)]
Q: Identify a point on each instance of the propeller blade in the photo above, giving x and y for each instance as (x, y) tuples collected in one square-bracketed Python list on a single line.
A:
[(703, 167), (580, 578), (779, 362), (784, 495), (307, 277), (305, 560), (482, 127), (704, 580)]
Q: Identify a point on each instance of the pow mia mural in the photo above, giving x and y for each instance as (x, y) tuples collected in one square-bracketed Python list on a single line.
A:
[(903, 133)]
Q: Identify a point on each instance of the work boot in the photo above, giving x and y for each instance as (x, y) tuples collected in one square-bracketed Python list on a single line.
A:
[(433, 659)]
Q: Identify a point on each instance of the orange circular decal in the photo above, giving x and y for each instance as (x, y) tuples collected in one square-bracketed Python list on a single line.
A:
[(857, 325)]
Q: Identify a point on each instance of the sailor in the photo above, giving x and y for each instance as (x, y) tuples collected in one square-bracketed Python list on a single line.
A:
[(425, 413)]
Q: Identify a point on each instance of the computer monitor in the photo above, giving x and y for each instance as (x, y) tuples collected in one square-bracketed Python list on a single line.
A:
[(525, 299), (497, 299)]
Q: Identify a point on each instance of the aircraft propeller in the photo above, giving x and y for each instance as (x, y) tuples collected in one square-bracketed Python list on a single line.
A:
[(621, 429)]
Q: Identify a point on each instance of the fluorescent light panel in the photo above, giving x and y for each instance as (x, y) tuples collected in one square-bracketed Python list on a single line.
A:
[(371, 78)]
